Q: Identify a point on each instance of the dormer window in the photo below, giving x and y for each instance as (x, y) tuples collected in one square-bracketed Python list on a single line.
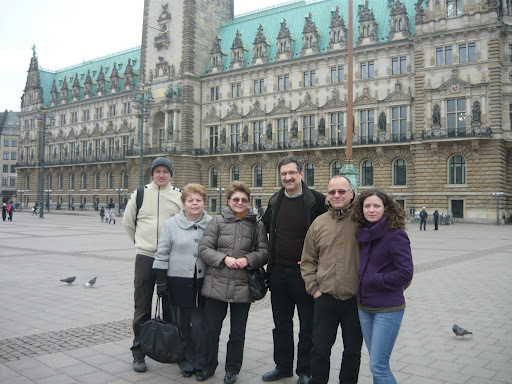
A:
[(454, 8)]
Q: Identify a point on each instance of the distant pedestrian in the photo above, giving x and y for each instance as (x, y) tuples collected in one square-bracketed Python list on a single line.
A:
[(4, 211), (102, 214), (112, 215), (423, 218), (10, 210), (436, 219), (34, 209), (107, 216), (504, 218)]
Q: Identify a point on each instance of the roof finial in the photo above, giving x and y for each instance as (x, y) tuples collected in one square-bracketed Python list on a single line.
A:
[(34, 49)]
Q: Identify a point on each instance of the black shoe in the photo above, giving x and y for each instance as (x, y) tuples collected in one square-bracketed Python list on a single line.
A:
[(230, 378), (303, 379), (187, 373), (139, 365), (276, 374), (202, 375)]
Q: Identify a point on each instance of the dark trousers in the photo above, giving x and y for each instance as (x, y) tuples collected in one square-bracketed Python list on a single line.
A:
[(423, 222), (215, 312), (287, 291), (144, 284), (192, 324), (436, 223), (329, 313)]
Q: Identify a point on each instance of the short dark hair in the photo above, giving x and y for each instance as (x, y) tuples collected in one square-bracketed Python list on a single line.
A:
[(238, 186), (290, 159)]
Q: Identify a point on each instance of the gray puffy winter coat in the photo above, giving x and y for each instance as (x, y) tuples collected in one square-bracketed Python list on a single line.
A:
[(227, 235)]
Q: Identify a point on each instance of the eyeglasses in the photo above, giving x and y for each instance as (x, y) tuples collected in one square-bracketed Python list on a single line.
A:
[(341, 192), (236, 200), (291, 173)]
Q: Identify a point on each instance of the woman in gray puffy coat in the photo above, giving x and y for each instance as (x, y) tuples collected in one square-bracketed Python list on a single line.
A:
[(226, 249)]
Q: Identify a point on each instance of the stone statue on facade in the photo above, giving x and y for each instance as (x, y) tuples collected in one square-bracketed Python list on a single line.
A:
[(436, 115), (269, 132), (223, 136), (476, 113), (382, 121), (170, 131), (245, 134), (321, 127), (295, 129)]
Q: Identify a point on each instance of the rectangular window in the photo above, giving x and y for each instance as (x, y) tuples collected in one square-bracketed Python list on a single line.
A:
[(85, 115), (308, 126), (367, 70), (12, 181), (214, 93), (444, 56), (13, 155), (235, 136), (510, 52), (336, 125), (5, 168), (467, 53), (257, 134), (62, 119), (99, 113), (399, 65), (127, 108), (126, 143), (5, 181), (309, 78), (74, 117), (213, 138), (6, 155), (456, 117), (236, 90), (337, 74), (367, 125), (6, 142), (111, 110), (283, 83), (14, 143), (259, 86), (13, 168), (399, 123), (111, 147), (453, 8), (97, 148), (282, 132)]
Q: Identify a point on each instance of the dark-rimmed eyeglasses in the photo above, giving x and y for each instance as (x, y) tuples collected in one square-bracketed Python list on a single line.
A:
[(291, 173), (236, 200), (340, 192)]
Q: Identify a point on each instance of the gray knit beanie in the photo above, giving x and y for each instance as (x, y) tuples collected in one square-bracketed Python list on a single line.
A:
[(161, 161)]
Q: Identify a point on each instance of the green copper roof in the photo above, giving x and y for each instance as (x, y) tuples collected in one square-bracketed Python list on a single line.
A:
[(295, 14), (94, 66)]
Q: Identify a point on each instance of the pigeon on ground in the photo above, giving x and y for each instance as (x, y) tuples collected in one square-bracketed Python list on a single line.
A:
[(90, 283), (459, 331), (68, 280)]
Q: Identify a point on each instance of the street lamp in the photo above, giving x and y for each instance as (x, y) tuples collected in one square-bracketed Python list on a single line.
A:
[(144, 98), (119, 201), (41, 115), (497, 195), (48, 191), (21, 191)]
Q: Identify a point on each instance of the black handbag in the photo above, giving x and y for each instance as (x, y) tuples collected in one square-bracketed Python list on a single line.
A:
[(162, 340), (257, 278)]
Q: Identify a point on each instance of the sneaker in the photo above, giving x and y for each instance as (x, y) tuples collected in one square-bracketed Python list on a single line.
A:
[(139, 365)]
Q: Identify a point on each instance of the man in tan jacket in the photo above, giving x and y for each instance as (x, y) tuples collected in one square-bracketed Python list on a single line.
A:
[(329, 267), (160, 202)]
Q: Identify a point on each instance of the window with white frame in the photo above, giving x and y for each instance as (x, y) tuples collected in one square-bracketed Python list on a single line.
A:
[(456, 117), (60, 181), (124, 180), (235, 136), (97, 179), (335, 168), (467, 53), (283, 82), (259, 86), (454, 8), (367, 124), (72, 181), (337, 74), (110, 178), (399, 123), (282, 132), (235, 173), (367, 173), (399, 65), (257, 176), (309, 78), (367, 70), (257, 134), (83, 181), (309, 174), (444, 56), (213, 137), (236, 90), (213, 177), (308, 129), (336, 125), (457, 170)]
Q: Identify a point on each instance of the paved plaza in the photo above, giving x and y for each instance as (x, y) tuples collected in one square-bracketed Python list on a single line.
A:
[(55, 333)]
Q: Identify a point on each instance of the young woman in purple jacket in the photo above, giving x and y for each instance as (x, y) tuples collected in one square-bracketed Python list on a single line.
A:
[(385, 268)]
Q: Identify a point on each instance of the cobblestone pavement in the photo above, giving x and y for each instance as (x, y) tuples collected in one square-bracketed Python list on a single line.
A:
[(52, 332)]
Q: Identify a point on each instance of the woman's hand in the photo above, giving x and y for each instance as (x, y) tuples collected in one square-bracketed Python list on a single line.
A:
[(230, 262), (242, 262)]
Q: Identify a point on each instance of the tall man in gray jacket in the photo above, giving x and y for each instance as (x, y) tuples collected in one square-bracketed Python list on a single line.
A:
[(144, 225)]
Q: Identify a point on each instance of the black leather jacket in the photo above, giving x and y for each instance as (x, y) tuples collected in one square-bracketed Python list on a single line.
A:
[(315, 206)]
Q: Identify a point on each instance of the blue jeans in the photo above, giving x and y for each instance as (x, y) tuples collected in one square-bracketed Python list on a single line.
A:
[(380, 331)]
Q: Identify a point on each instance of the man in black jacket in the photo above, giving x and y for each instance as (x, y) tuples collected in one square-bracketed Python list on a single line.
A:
[(289, 214)]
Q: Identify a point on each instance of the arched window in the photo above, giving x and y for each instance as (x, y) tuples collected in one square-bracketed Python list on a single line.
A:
[(27, 182), (257, 176), (110, 180), (72, 181), (124, 180), (50, 181), (278, 178), (457, 170), (399, 172), (235, 173), (97, 180), (84, 181), (213, 177), (335, 168), (367, 172), (60, 181), (309, 174)]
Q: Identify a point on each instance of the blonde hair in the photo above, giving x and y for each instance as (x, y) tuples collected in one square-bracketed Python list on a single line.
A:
[(193, 188)]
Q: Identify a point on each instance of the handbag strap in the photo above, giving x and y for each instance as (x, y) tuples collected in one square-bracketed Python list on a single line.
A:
[(174, 312), (254, 235)]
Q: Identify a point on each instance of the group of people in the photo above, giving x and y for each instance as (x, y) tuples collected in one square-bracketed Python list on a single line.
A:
[(108, 215), (7, 210), (340, 260), (423, 219)]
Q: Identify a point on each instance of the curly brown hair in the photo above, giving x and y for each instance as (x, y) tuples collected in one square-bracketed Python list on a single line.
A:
[(193, 188), (392, 210)]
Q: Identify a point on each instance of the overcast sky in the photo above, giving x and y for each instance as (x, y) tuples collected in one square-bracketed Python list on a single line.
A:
[(67, 32)]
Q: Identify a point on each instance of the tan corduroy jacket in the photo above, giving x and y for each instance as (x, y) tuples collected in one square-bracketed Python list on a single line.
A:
[(330, 257)]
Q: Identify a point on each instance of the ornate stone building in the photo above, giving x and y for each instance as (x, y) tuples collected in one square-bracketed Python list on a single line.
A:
[(432, 103), (9, 150)]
